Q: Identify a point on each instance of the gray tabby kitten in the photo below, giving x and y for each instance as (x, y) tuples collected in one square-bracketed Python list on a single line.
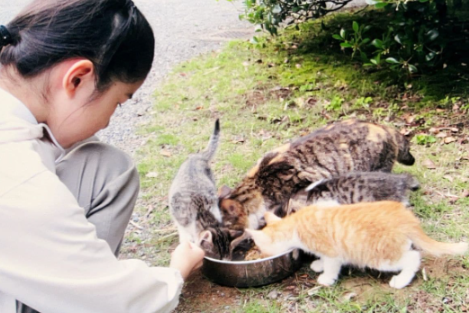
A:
[(193, 199), (356, 187), (193, 203)]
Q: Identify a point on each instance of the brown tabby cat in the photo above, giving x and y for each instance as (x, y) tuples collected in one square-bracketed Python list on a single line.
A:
[(378, 235), (330, 151)]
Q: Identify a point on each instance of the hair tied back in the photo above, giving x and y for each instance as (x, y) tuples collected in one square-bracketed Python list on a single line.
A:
[(5, 36)]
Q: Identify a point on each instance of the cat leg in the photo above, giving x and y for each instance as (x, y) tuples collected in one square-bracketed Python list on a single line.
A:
[(331, 271), (317, 265), (185, 233), (410, 264)]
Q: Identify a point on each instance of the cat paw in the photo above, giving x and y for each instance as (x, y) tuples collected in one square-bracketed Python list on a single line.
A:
[(398, 282), (326, 280), (317, 266)]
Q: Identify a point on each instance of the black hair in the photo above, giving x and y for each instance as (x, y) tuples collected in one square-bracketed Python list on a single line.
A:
[(113, 34)]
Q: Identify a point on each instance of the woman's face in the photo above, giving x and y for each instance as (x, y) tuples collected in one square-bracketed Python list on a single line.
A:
[(86, 114)]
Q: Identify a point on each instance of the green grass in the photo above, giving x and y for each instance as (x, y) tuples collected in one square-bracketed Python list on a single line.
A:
[(273, 93)]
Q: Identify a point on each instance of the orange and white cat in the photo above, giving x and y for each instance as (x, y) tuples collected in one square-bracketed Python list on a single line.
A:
[(379, 235)]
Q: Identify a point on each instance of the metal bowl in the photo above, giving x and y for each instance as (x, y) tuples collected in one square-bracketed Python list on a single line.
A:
[(252, 273)]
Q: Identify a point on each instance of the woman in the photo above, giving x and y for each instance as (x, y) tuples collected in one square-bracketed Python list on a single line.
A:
[(66, 198)]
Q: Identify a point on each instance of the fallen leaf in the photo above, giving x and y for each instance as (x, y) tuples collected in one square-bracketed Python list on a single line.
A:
[(314, 290), (238, 139), (429, 164), (311, 101), (434, 130), (449, 140), (166, 153), (447, 177), (273, 294), (441, 135), (151, 174), (349, 296), (300, 102), (245, 64), (298, 65), (465, 193)]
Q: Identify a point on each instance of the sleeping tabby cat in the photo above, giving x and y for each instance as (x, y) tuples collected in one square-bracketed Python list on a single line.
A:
[(378, 235), (356, 187), (333, 150)]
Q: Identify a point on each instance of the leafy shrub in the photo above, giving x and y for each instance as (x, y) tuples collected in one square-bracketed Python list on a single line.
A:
[(412, 40), (270, 13)]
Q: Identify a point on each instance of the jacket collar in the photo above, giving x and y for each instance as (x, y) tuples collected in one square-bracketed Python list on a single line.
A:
[(17, 123)]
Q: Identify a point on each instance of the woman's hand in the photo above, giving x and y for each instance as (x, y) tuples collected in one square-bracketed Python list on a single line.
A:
[(186, 257)]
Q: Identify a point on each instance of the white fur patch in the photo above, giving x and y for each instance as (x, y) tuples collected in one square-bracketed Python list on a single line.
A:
[(327, 203), (315, 184), (255, 218), (215, 210)]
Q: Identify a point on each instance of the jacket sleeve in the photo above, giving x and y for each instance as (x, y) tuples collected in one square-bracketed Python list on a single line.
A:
[(52, 261)]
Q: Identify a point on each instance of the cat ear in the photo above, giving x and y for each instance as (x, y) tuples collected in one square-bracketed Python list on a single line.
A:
[(205, 238), (235, 233), (224, 191), (242, 241), (271, 217)]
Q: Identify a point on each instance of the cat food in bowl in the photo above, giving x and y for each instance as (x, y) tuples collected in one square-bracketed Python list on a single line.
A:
[(254, 272)]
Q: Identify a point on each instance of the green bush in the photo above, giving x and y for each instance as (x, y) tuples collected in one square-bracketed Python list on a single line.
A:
[(410, 40), (270, 13)]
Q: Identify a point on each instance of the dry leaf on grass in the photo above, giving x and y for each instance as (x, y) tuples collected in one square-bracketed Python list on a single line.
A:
[(449, 140), (429, 164), (166, 153), (348, 296), (151, 174), (447, 177)]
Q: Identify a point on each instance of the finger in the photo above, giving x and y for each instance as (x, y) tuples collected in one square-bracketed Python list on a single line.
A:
[(193, 246), (199, 265)]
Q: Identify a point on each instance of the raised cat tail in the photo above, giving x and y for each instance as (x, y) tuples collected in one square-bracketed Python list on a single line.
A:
[(436, 248), (213, 142)]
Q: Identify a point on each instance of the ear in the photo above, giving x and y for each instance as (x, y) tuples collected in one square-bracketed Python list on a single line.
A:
[(224, 191), (79, 74), (271, 217), (244, 241), (235, 233), (206, 236)]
